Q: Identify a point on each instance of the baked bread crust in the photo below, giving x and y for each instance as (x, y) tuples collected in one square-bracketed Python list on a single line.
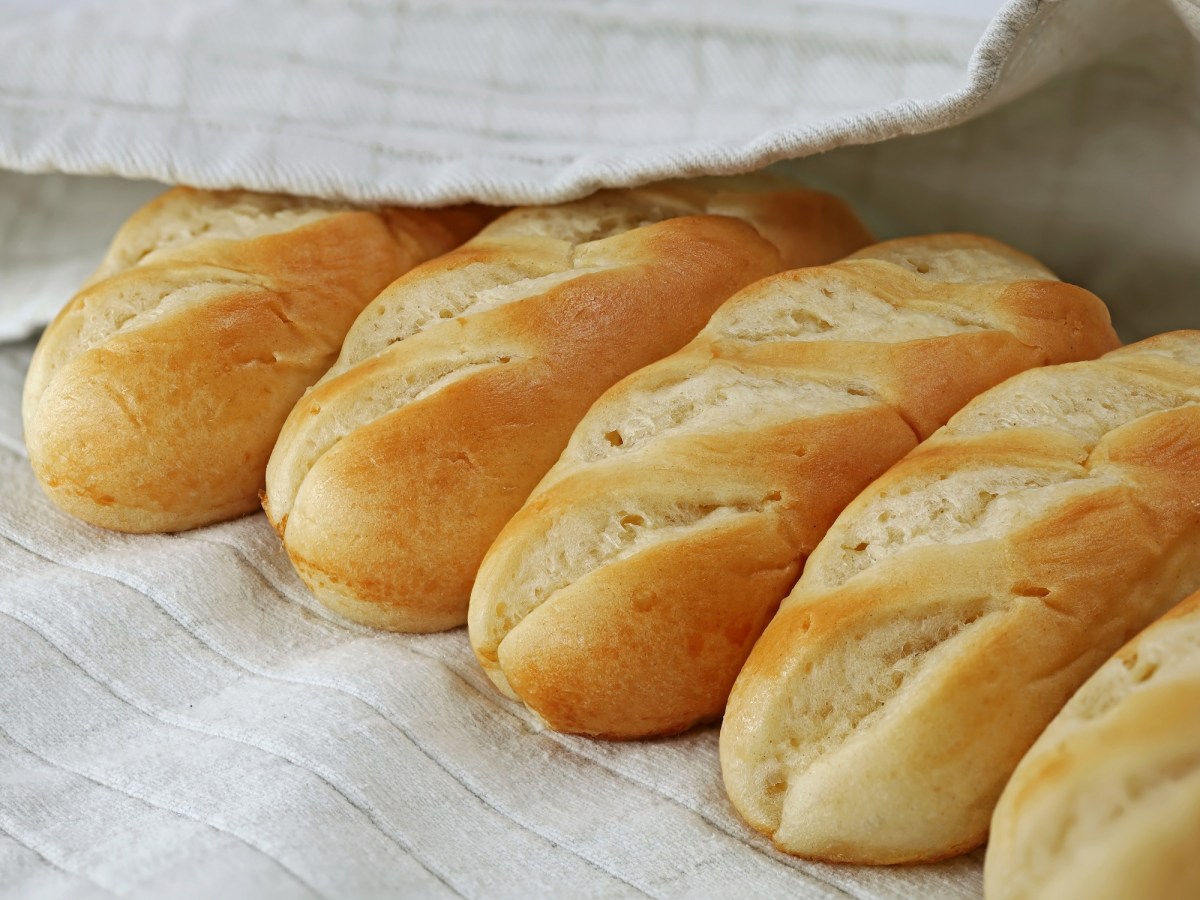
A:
[(1106, 804), (154, 398), (623, 598), (459, 385), (960, 600)]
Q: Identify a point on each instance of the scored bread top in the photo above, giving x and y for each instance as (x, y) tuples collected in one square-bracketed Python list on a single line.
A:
[(857, 361), (164, 231), (1070, 409), (543, 309), (154, 397), (958, 601), (183, 216), (521, 255), (1106, 804)]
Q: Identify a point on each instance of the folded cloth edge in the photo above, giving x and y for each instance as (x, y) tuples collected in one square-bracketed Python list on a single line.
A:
[(453, 180)]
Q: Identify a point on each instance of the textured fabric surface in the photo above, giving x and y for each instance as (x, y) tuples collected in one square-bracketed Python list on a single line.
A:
[(436, 101), (177, 716), (1082, 153)]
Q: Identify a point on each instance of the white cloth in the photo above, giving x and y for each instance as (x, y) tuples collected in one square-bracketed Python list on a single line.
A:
[(434, 101), (1092, 169), (177, 716)]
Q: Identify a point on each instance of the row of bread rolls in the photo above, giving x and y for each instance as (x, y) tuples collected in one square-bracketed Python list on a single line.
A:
[(945, 618), (156, 396), (459, 386), (625, 595)]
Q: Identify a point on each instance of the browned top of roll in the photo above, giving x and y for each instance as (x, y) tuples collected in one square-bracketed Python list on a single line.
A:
[(155, 396), (459, 386)]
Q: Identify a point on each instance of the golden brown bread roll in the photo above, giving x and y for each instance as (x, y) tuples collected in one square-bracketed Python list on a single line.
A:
[(625, 595), (959, 601), (154, 398), (459, 386), (1106, 804)]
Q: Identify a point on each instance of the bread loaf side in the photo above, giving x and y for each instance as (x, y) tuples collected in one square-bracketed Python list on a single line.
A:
[(154, 398), (1106, 804), (625, 595), (459, 385), (959, 601)]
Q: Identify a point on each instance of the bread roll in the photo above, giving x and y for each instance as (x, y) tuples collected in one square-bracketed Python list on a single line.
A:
[(154, 398), (1106, 805), (959, 601), (624, 597), (459, 386)]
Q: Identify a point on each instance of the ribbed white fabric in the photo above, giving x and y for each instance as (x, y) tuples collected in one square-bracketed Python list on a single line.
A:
[(1071, 130), (178, 718), (435, 101)]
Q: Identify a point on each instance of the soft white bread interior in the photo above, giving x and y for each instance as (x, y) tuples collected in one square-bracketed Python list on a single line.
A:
[(625, 595), (1106, 804), (459, 385), (154, 398), (960, 600)]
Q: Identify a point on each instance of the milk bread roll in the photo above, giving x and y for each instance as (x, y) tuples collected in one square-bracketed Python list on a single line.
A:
[(154, 398), (623, 598), (959, 601), (1106, 804), (459, 386)]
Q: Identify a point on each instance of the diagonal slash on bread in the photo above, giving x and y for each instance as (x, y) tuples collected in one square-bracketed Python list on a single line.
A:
[(623, 598), (458, 386), (958, 602)]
